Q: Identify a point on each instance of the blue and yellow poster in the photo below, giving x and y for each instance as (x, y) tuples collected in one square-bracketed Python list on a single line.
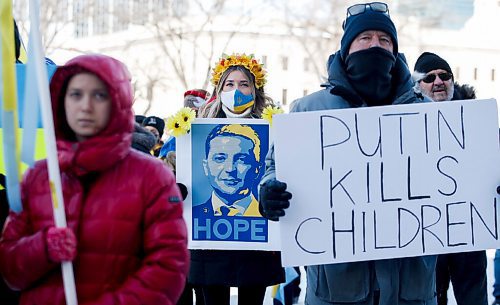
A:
[(222, 162)]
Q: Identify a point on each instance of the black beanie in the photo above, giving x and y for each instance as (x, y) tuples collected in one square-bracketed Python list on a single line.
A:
[(367, 21), (139, 118), (156, 122), (429, 61)]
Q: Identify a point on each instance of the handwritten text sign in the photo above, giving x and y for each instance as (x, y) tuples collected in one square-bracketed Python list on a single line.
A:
[(385, 182)]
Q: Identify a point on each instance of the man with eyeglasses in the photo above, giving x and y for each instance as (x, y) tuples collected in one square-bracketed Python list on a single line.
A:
[(366, 71), (434, 77), (467, 271)]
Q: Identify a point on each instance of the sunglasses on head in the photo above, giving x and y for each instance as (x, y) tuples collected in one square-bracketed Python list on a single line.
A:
[(358, 9), (430, 78)]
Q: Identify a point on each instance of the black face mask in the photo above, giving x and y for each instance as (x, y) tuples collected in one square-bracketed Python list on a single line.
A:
[(369, 73)]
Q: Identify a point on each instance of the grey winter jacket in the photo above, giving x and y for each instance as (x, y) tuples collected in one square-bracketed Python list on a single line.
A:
[(401, 281)]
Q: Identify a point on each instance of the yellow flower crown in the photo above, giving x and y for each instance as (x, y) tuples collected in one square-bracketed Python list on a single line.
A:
[(247, 61)]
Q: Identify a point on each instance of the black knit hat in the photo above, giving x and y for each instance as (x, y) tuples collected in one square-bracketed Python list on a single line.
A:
[(139, 118), (368, 21), (156, 122), (429, 61)]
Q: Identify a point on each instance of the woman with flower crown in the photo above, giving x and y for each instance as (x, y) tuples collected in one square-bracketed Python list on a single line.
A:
[(247, 79), (239, 89)]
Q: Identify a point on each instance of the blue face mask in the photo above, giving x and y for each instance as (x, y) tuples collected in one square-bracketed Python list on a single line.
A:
[(236, 101)]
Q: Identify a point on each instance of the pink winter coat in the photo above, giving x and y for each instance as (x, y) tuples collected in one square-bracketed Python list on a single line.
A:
[(123, 206)]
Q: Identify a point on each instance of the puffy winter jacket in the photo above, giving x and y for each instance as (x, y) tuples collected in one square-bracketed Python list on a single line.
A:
[(123, 206), (401, 281)]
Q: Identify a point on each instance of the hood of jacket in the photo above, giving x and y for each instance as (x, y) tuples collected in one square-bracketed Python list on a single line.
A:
[(338, 82), (142, 139), (110, 145), (463, 92)]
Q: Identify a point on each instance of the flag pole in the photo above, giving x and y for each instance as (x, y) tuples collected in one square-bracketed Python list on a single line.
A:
[(38, 59)]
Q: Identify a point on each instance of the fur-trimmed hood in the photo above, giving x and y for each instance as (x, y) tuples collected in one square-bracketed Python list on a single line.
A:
[(142, 139), (463, 92)]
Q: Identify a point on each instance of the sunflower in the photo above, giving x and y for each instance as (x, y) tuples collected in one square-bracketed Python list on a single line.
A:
[(185, 117), (174, 126), (268, 113)]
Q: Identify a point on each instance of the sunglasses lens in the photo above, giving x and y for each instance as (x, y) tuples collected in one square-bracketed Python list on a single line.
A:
[(429, 78), (379, 7), (356, 9), (445, 76)]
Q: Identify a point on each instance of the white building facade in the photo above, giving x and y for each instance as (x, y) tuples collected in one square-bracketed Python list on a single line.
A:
[(170, 45)]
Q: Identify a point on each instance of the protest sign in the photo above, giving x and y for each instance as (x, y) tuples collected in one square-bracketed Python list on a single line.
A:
[(221, 162), (386, 182)]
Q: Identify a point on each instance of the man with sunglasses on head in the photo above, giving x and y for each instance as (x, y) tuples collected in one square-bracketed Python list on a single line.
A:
[(366, 71), (467, 271)]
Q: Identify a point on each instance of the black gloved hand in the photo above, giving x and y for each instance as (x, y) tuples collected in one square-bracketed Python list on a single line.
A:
[(498, 190), (183, 189), (273, 199)]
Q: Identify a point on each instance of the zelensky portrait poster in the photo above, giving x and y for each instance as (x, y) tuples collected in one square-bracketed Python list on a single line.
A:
[(221, 162)]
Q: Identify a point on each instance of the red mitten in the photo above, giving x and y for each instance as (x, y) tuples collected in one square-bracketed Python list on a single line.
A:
[(61, 244)]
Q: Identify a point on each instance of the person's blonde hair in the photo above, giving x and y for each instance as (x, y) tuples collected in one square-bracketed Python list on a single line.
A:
[(239, 130), (169, 160), (213, 109)]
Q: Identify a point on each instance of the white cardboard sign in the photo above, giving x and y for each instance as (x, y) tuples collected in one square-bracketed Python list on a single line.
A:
[(386, 182)]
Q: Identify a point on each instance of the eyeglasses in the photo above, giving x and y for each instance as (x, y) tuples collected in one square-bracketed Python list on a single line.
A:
[(358, 9), (430, 78)]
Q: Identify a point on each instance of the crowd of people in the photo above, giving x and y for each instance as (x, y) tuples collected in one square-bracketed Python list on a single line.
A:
[(126, 235)]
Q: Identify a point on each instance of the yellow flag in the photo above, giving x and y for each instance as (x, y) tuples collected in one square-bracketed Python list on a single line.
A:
[(9, 106), (8, 56)]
